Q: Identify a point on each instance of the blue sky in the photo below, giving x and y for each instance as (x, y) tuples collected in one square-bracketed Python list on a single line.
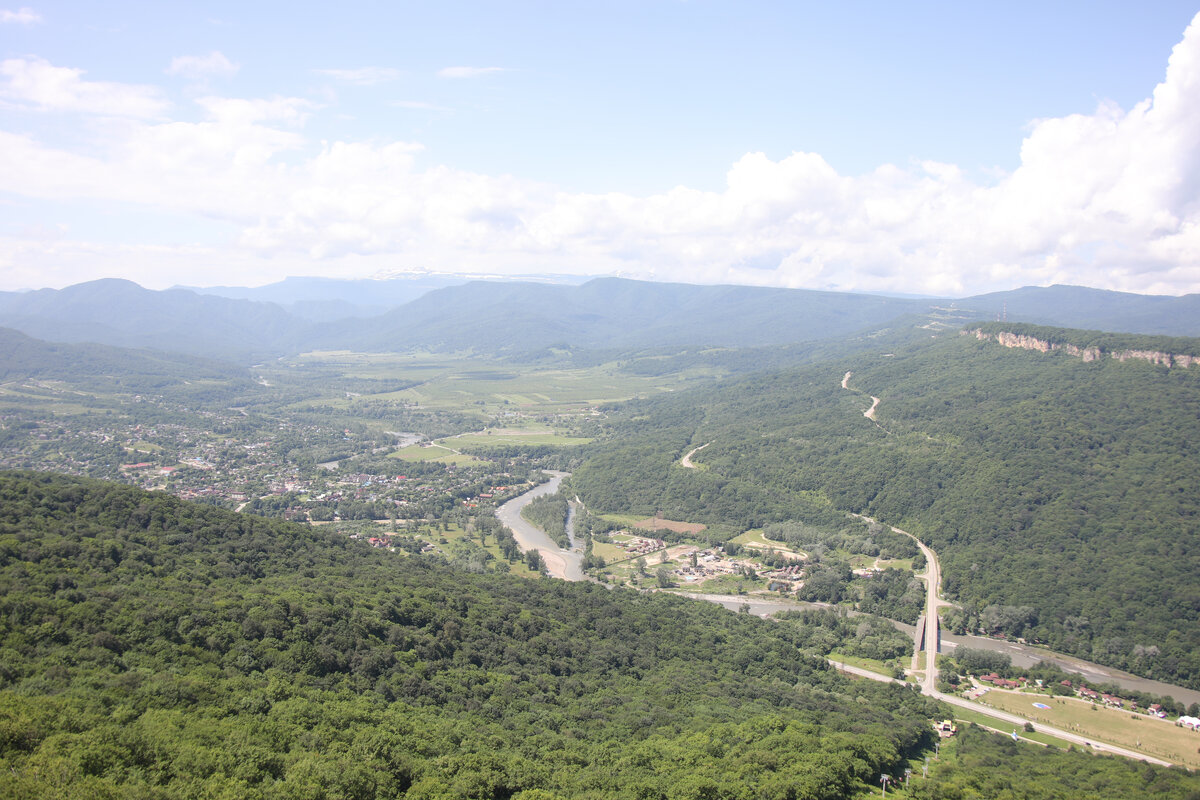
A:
[(938, 148)]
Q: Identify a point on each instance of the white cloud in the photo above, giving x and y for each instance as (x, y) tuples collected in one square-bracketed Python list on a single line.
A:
[(224, 167), (468, 72), (289, 110), (1108, 199), (37, 84), (363, 76), (419, 105), (22, 16), (213, 65)]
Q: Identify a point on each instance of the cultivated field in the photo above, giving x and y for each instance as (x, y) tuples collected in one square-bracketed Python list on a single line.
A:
[(467, 384), (1136, 731), (509, 436)]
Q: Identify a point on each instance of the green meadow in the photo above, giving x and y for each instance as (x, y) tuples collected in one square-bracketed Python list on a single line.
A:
[(1124, 728), (468, 384)]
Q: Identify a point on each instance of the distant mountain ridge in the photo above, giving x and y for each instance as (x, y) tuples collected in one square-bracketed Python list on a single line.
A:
[(328, 299), (514, 318), (619, 313), (121, 313), (1095, 309)]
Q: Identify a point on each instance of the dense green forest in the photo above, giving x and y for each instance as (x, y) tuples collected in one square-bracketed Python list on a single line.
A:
[(1059, 493), (101, 368), (158, 649), (153, 648)]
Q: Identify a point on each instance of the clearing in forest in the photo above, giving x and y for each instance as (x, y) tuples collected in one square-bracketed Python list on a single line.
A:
[(655, 524)]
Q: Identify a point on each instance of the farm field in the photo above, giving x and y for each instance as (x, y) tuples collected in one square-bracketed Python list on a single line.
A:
[(507, 436), (1135, 731), (449, 383), (434, 452)]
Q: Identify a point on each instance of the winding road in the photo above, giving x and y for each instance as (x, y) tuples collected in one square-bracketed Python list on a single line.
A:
[(686, 461), (927, 638)]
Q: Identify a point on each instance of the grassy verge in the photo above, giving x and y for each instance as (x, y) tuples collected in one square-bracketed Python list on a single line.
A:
[(871, 664), (980, 718)]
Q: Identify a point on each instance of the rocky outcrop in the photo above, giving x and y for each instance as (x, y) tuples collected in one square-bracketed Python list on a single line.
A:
[(1026, 342), (1166, 359)]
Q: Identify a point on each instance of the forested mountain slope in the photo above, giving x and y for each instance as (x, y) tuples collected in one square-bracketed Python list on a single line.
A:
[(617, 313), (104, 368), (1082, 307), (151, 648), (517, 318), (1060, 493), (123, 314), (325, 299)]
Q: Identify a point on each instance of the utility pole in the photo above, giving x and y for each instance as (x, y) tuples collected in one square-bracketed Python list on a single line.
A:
[(885, 780)]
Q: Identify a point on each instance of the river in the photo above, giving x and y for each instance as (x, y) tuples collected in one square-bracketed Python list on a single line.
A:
[(565, 564)]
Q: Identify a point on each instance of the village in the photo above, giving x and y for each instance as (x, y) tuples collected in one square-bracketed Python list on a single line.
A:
[(694, 565), (278, 466)]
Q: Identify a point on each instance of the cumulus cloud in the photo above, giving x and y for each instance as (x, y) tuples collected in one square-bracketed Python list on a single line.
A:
[(1108, 199), (468, 72), (36, 84), (213, 65), (22, 16), (363, 76), (223, 167)]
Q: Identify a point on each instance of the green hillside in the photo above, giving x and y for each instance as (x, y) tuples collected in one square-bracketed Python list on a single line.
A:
[(97, 367), (153, 648), (156, 649), (1060, 493)]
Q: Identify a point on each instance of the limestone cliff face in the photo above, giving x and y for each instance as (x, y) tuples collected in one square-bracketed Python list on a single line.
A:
[(1087, 354), (1166, 359)]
